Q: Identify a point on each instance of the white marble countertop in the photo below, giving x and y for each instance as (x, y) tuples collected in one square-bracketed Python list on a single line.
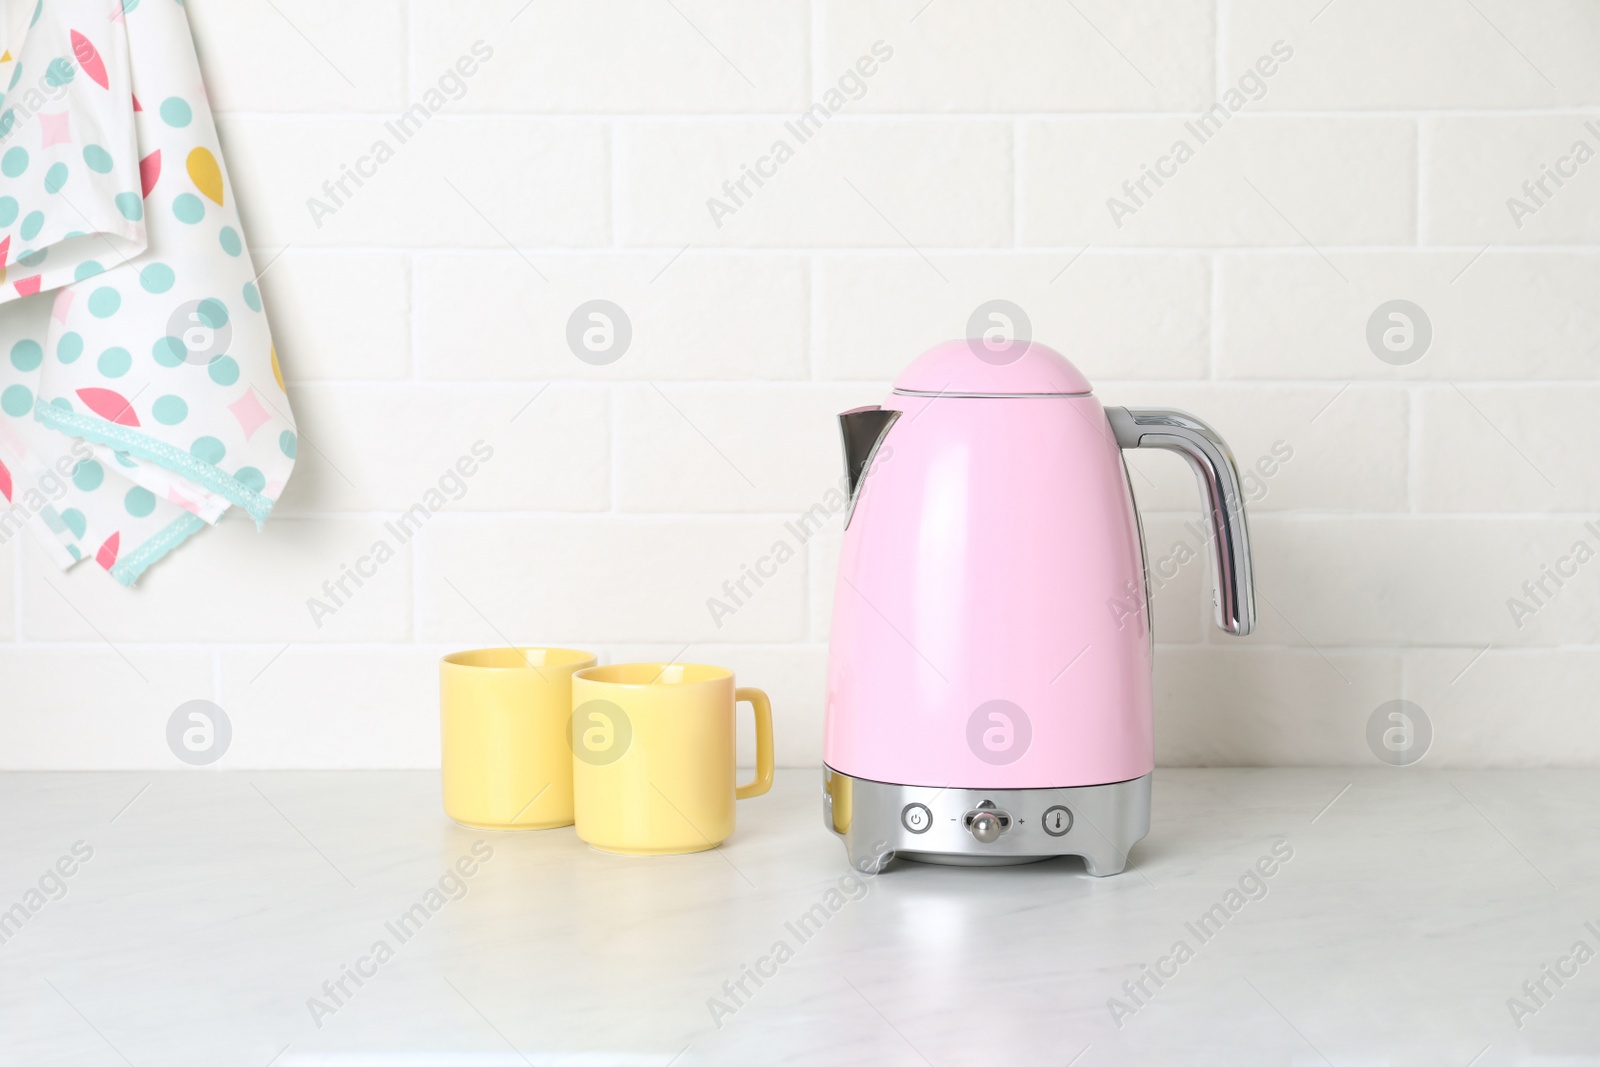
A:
[(215, 906)]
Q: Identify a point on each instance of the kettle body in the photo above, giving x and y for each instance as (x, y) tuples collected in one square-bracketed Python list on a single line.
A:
[(989, 694)]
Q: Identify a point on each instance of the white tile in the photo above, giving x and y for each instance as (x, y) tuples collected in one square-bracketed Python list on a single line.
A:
[(732, 448), (689, 316), (1415, 581), (1529, 449), (526, 181), (1025, 56), (1504, 314), (1482, 175), (1253, 707), (482, 448), (338, 316), (1328, 181), (1507, 707), (232, 583), (618, 55), (863, 184), (95, 706), (1367, 54), (584, 580), (343, 57), (1114, 315), (329, 708)]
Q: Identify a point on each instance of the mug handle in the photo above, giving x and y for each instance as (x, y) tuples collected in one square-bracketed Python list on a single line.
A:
[(762, 706)]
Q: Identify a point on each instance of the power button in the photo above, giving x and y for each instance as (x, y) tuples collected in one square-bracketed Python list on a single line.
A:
[(916, 818)]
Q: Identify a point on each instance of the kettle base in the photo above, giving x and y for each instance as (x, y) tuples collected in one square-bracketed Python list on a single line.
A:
[(878, 821)]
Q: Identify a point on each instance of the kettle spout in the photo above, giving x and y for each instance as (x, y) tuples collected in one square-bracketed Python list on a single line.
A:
[(863, 430)]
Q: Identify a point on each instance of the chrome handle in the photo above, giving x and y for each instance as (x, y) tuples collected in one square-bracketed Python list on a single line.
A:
[(1213, 464)]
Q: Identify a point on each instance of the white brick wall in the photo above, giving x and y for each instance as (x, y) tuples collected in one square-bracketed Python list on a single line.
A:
[(430, 312)]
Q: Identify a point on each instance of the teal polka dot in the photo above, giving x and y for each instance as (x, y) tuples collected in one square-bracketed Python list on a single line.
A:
[(32, 225), (170, 351), (251, 478), (14, 162), (87, 269), (27, 355), (169, 410), (129, 5), (55, 179), (33, 259), (230, 241), (212, 313), (223, 370), (115, 362), (88, 475), (104, 302), (75, 521), (59, 72), (97, 158), (8, 211), (17, 400), (156, 278), (188, 208), (252, 296), (175, 112), (61, 402), (69, 348), (131, 206), (16, 76), (139, 501), (7, 120), (72, 550), (124, 460), (209, 450), (287, 443)]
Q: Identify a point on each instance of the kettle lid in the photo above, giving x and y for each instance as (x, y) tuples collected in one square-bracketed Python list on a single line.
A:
[(976, 368)]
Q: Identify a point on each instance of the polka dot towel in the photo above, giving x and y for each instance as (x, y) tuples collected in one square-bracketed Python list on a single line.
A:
[(140, 395)]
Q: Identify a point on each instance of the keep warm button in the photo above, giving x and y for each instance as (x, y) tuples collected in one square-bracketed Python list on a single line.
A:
[(1057, 821), (916, 818)]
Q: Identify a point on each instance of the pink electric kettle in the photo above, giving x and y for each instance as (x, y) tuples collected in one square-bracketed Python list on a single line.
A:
[(989, 686)]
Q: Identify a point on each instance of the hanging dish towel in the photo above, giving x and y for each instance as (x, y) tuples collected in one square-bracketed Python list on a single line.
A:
[(140, 394)]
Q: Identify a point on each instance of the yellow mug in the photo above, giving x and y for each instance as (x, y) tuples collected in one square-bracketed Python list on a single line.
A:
[(653, 756), (503, 736)]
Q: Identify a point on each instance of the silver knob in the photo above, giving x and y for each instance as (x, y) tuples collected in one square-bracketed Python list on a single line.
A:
[(986, 828)]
